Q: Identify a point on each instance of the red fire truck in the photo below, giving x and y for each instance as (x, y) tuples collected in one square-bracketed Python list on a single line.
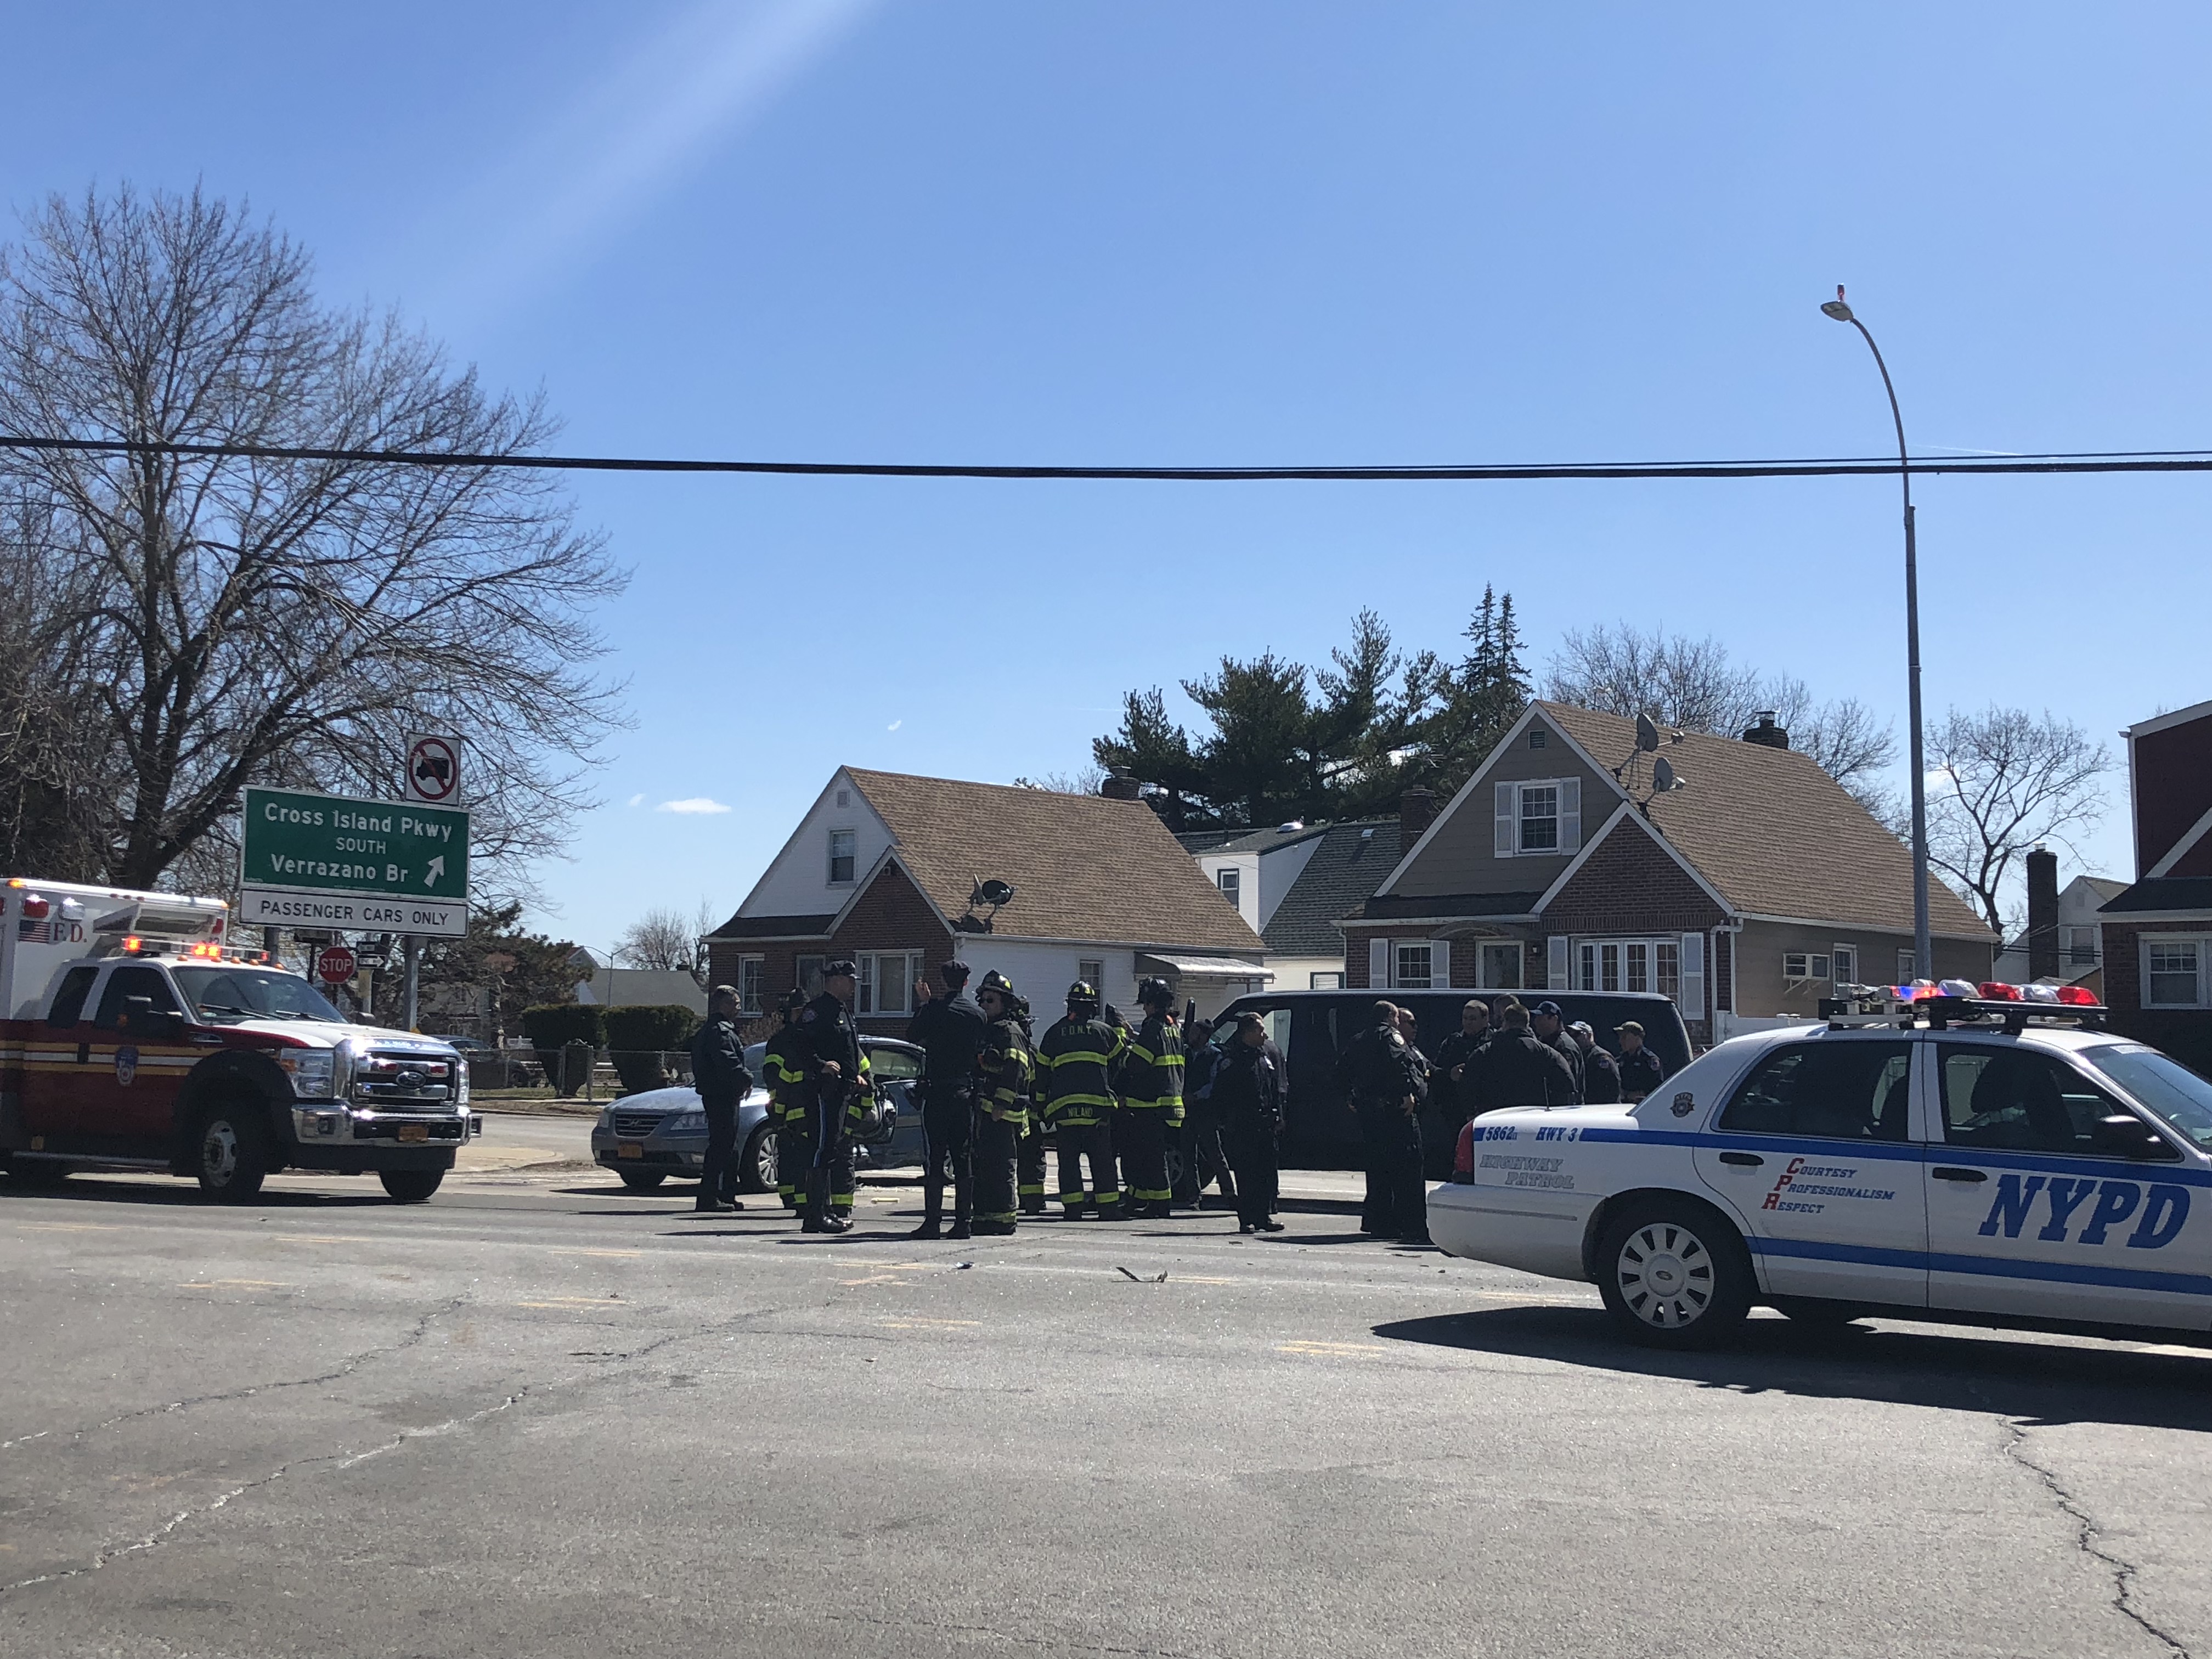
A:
[(137, 1038)]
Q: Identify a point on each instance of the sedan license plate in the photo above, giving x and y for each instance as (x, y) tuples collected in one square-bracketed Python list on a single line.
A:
[(414, 1131), (629, 1149)]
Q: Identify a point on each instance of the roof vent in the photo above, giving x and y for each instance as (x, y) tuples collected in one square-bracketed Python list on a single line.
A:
[(1766, 732), (1291, 827)]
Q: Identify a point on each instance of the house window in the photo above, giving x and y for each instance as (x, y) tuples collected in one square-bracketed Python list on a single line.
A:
[(2081, 946), (843, 857), (886, 981), (1230, 881), (1540, 817), (752, 979), (2173, 973), (808, 972), (1847, 964), (1537, 739), (1908, 964), (1622, 964), (1413, 966), (1798, 965), (1324, 981), (1093, 974)]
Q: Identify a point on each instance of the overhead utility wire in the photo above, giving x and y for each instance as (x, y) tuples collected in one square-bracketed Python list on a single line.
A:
[(2178, 461)]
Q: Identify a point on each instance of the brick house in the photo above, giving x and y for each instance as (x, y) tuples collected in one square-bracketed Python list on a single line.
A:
[(886, 869), (1746, 894), (2157, 933)]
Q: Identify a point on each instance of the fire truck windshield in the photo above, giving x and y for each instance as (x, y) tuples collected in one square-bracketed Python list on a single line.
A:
[(219, 994)]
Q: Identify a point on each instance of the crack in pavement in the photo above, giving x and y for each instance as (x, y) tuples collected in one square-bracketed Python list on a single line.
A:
[(414, 1337), (162, 1533), (2123, 1571)]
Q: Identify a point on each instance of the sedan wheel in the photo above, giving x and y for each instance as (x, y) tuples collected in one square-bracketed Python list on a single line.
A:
[(1673, 1277), (758, 1168)]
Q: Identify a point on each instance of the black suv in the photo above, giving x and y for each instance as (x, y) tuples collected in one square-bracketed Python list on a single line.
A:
[(1311, 1027)]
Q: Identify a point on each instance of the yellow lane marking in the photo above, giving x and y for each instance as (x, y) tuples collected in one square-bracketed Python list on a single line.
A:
[(875, 1279), (71, 1227), (572, 1250), (323, 1238), (234, 1285), (1196, 1278), (930, 1324), (1330, 1350)]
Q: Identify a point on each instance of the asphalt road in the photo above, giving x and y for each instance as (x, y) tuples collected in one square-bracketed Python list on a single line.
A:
[(537, 1417)]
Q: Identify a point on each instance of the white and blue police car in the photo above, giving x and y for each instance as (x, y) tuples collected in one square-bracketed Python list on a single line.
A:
[(1973, 1157)]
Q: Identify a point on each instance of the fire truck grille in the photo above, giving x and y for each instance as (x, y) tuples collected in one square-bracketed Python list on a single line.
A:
[(402, 1081)]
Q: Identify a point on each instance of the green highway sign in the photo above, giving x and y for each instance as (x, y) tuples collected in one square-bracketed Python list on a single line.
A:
[(332, 862)]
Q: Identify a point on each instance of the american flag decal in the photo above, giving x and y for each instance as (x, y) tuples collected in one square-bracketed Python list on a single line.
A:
[(40, 932)]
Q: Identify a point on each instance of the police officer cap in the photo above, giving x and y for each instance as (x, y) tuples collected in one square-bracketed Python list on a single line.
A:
[(793, 1000), (1549, 1008), (1629, 1025), (840, 968), (954, 974), (1155, 994), (1081, 992), (997, 984)]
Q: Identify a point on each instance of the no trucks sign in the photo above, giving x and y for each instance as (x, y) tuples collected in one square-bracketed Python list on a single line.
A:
[(357, 865)]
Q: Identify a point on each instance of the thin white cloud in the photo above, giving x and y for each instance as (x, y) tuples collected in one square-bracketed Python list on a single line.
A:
[(637, 800), (895, 725), (629, 139), (694, 805)]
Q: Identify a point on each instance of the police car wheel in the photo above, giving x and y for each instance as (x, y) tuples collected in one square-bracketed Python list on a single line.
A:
[(757, 1169), (1674, 1275), (232, 1153), (642, 1181)]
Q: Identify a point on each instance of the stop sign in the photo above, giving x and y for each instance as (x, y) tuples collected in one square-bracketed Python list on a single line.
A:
[(336, 965)]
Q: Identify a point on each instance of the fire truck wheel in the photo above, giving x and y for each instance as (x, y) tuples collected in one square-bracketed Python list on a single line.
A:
[(232, 1155), (410, 1186)]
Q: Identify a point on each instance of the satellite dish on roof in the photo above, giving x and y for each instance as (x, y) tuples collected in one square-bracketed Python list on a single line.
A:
[(1647, 734), (991, 892), (1663, 778)]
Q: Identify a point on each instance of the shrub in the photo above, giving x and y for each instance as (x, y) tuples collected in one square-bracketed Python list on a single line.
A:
[(553, 1027), (637, 1036)]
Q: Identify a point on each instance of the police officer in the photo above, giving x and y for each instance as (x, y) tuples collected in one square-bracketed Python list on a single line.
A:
[(1458, 1064), (1248, 1091), (1151, 1096), (1547, 1020), (718, 1073), (1601, 1076), (1003, 1074), (835, 1072), (1205, 1157), (1075, 1064), (1377, 1076), (950, 1030), (786, 1108), (1641, 1071), (1522, 1070)]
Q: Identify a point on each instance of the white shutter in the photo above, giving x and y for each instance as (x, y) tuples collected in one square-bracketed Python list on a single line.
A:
[(1379, 964), (1555, 963), (1508, 823), (1693, 999), (1440, 963), (1570, 815)]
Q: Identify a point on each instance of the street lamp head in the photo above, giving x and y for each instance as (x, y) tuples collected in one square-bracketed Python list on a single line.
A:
[(1836, 307)]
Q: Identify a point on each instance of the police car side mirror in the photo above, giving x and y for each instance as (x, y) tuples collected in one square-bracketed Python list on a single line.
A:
[(2124, 1135)]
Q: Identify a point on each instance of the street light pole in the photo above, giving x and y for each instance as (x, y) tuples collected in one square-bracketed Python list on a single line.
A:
[(1923, 952)]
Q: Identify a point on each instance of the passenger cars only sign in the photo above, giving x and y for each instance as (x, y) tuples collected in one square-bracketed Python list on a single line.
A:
[(334, 861)]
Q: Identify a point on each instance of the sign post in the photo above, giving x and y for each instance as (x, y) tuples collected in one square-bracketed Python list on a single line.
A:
[(353, 865)]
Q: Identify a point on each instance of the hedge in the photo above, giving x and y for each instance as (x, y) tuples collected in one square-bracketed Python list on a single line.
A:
[(639, 1034), (553, 1027)]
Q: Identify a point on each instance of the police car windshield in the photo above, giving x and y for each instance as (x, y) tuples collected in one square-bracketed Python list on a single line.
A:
[(218, 994), (2168, 1088)]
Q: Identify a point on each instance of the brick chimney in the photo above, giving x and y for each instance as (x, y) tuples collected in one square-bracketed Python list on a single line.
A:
[(1417, 810), (2042, 914), (1120, 785), (1767, 733)]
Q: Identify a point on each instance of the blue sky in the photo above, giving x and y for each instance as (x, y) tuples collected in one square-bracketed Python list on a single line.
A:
[(1126, 232)]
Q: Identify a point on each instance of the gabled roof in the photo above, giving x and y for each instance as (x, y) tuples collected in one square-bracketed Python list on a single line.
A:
[(1195, 841), (1348, 868), (2162, 896), (1082, 866), (1771, 832)]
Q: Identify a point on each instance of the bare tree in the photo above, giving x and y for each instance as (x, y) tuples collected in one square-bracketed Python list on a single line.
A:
[(2007, 781), (1694, 685), (209, 622), (1084, 781), (664, 938)]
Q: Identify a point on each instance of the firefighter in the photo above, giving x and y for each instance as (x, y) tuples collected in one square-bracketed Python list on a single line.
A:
[(786, 1107), (1003, 1071), (1028, 1161), (834, 1069), (1075, 1095), (950, 1030), (1152, 1093)]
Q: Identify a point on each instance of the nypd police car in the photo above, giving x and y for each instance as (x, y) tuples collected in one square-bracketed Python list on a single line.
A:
[(1969, 1156)]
